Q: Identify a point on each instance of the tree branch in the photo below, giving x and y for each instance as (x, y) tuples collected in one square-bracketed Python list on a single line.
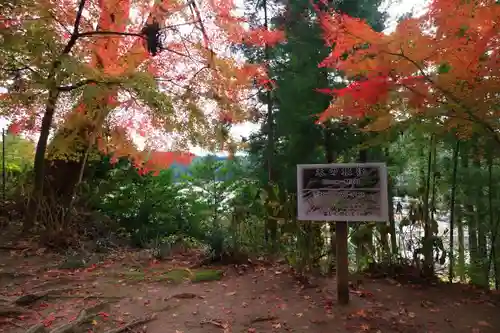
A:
[(84, 83), (75, 34), (449, 95), (118, 33), (172, 26), (107, 33)]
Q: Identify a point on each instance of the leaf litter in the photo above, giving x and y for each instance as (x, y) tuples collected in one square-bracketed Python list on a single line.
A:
[(105, 299)]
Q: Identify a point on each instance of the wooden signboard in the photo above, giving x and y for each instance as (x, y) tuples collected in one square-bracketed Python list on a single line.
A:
[(354, 192), (342, 193)]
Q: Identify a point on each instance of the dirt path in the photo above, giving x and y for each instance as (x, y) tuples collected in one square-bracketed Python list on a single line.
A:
[(261, 299)]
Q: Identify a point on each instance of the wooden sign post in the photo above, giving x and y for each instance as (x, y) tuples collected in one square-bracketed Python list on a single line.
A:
[(342, 192)]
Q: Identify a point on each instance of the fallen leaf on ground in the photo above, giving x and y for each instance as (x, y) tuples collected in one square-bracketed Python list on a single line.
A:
[(360, 313), (484, 323), (364, 327)]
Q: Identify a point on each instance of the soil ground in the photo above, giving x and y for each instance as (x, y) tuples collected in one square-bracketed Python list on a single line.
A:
[(252, 298)]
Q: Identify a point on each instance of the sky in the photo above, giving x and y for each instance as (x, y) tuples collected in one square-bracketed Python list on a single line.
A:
[(395, 9)]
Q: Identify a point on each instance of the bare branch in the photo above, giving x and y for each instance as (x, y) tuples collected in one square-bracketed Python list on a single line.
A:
[(118, 33), (74, 35), (60, 23), (108, 33), (84, 83), (172, 26)]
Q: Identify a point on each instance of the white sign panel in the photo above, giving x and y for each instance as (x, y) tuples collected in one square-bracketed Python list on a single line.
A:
[(353, 192)]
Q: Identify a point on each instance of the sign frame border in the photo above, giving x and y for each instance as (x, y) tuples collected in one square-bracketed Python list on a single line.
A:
[(384, 196)]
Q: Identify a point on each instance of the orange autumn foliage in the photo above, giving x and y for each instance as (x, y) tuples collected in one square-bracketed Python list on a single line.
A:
[(445, 64), (156, 160), (201, 82), (216, 77)]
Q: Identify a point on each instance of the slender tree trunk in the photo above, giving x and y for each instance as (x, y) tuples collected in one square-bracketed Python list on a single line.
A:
[(271, 224), (385, 230), (480, 217), (50, 106), (493, 225), (366, 241), (428, 268), (461, 243), (496, 255), (330, 158), (392, 220), (470, 219), (452, 210)]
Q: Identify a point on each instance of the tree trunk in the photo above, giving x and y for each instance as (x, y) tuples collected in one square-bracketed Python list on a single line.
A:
[(392, 220), (366, 241), (330, 158), (470, 219), (50, 106), (39, 165), (496, 256), (271, 224), (480, 221), (452, 210), (461, 244), (427, 250), (493, 225)]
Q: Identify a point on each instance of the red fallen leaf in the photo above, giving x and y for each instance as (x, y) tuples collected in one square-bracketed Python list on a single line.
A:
[(47, 322), (328, 302), (42, 305), (103, 315), (360, 313), (251, 330), (91, 268)]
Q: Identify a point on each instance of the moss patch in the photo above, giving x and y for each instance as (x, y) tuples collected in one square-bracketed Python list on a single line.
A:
[(134, 275), (177, 275), (206, 275)]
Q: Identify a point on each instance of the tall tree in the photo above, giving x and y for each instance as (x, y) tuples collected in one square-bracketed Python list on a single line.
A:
[(295, 103), (95, 70)]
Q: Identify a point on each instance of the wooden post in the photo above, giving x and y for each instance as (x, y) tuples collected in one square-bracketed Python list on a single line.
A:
[(365, 181), (341, 234)]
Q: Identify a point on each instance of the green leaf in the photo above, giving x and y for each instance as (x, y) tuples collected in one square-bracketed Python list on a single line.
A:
[(462, 30), (444, 68)]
